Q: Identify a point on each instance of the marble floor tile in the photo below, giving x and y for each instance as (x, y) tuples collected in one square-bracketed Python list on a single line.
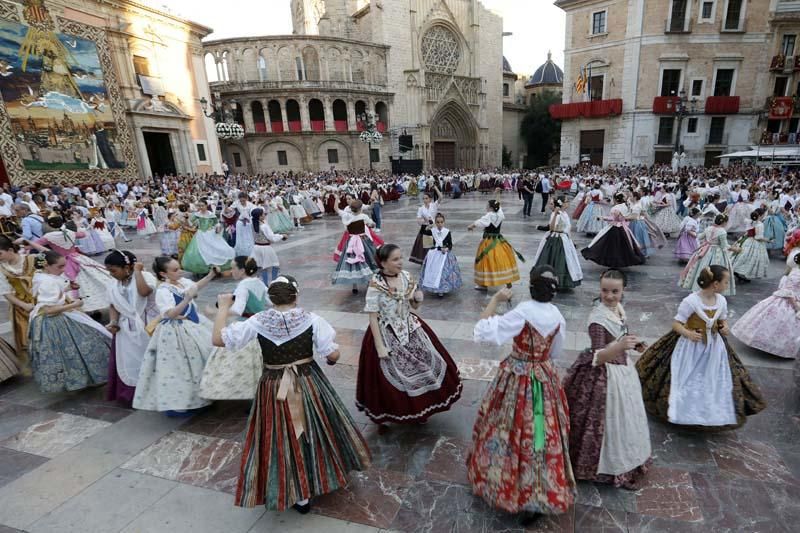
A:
[(728, 504), (53, 437), (669, 494), (372, 498), (606, 496), (109, 505), (750, 460), (15, 418), (192, 459), (292, 522), (14, 464), (187, 509), (599, 520), (448, 461)]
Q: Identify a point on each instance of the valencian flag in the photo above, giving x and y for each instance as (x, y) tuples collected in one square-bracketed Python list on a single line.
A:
[(580, 83)]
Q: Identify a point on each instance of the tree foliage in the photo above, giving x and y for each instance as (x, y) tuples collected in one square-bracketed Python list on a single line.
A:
[(541, 133), (507, 162)]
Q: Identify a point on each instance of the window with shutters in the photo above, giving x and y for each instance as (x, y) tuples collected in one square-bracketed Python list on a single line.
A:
[(333, 155), (283, 160), (677, 20), (599, 22), (733, 15), (665, 126)]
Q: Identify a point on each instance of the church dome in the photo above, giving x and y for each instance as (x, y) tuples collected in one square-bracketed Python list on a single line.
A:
[(547, 74), (507, 66)]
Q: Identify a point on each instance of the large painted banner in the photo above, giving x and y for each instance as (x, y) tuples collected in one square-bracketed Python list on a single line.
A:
[(61, 116)]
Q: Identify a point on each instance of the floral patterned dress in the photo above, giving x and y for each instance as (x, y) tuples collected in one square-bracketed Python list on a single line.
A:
[(519, 459)]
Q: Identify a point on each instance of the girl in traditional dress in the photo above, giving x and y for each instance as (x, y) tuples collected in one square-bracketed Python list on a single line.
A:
[(750, 258), (666, 217), (99, 224), (714, 250), (773, 324), (638, 226), (208, 248), (144, 226), (615, 246), (558, 251), (90, 243), (244, 232), (440, 272), (692, 376), (609, 440), (187, 230), (519, 459), (68, 350), (234, 375), (263, 253), (357, 263), (591, 218), (687, 244), (133, 306), (16, 281), (426, 213), (89, 277), (739, 214), (160, 215), (300, 440), (346, 213), (229, 218), (170, 234), (775, 224), (278, 218), (405, 374), (496, 259), (173, 364)]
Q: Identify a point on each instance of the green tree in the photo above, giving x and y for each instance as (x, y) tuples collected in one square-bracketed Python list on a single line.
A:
[(542, 134)]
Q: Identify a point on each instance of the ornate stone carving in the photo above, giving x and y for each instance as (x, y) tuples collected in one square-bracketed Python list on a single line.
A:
[(9, 11), (438, 85), (441, 50)]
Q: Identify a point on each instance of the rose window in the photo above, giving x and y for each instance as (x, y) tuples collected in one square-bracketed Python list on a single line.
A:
[(440, 50)]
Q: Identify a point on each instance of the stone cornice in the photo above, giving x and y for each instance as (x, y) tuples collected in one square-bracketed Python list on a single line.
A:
[(320, 38)]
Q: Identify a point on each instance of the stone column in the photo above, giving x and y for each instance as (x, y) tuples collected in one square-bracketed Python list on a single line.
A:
[(265, 107), (144, 160), (327, 104), (305, 118), (284, 115), (247, 113), (351, 114)]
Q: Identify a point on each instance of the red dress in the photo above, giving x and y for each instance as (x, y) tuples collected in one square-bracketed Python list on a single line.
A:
[(504, 467)]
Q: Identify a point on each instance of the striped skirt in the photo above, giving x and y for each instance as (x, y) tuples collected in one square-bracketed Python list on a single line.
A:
[(496, 263), (277, 469)]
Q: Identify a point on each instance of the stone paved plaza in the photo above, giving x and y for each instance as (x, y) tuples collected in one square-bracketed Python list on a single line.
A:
[(74, 463)]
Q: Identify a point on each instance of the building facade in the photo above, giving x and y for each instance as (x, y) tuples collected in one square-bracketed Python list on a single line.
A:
[(150, 73), (428, 69), (643, 79), (513, 112)]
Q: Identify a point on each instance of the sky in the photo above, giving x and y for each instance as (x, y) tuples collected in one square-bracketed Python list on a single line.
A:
[(537, 25)]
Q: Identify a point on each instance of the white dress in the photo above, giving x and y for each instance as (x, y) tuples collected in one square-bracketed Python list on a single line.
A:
[(701, 387), (264, 254), (135, 311), (173, 363), (234, 374), (562, 227)]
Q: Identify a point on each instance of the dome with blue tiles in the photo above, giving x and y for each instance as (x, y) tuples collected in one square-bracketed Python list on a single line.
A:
[(547, 74)]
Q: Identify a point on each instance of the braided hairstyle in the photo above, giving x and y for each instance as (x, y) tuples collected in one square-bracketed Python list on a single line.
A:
[(283, 291), (543, 283)]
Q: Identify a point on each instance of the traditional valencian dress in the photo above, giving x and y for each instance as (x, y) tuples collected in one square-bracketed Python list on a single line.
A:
[(235, 375), (357, 263), (91, 276), (773, 324), (698, 383), (130, 342), (713, 250), (419, 378), (558, 251), (609, 440), (591, 217), (496, 259), (428, 214), (300, 440), (666, 217), (173, 363), (18, 280), (686, 244), (440, 272), (68, 351), (519, 460), (615, 246), (264, 253), (347, 215), (752, 261), (208, 248)]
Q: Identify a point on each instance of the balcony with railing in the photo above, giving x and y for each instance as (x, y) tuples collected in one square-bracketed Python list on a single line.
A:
[(722, 105), (665, 105), (771, 138), (593, 109)]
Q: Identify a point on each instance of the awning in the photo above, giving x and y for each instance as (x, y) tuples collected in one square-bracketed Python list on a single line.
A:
[(767, 152)]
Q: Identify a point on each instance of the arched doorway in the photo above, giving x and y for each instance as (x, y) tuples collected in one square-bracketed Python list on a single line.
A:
[(454, 137)]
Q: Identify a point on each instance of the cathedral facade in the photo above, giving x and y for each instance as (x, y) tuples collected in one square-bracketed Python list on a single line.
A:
[(428, 70)]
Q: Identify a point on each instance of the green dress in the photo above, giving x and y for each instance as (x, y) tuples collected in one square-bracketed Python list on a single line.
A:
[(207, 248)]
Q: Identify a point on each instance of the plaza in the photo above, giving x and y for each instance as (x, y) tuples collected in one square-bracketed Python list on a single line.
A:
[(74, 463)]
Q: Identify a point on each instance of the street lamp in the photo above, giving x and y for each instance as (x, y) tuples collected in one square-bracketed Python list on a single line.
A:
[(370, 135), (225, 125), (678, 106)]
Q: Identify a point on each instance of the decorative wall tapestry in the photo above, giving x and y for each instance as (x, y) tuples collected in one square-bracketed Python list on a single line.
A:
[(62, 119)]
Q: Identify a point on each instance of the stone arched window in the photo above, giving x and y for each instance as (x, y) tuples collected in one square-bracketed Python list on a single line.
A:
[(382, 116), (263, 71), (275, 116), (224, 76), (316, 114), (293, 115), (361, 109), (335, 65), (259, 120), (441, 50), (357, 63), (212, 74), (286, 65), (249, 65), (340, 115), (311, 61)]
